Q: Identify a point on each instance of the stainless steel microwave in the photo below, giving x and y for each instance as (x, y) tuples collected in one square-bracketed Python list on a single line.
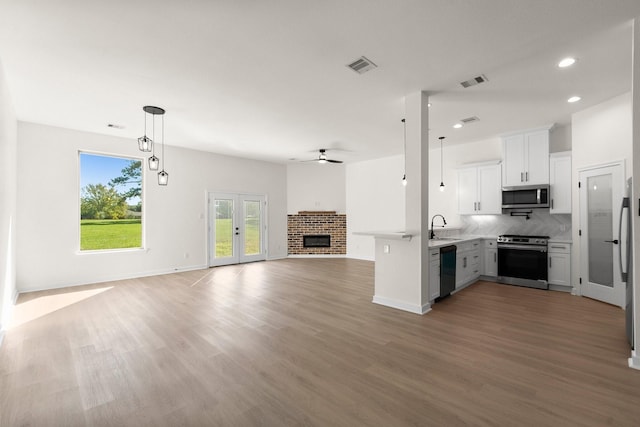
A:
[(530, 196)]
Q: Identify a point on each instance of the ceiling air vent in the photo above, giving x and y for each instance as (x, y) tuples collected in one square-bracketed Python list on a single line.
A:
[(362, 65), (474, 81), (469, 120)]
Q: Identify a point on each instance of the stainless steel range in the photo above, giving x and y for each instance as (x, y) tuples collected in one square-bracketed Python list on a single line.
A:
[(522, 260)]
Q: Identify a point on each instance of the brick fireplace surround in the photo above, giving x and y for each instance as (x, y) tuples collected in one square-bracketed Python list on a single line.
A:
[(317, 223)]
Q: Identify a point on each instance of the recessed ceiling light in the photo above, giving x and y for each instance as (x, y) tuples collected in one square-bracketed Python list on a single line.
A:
[(566, 62), (457, 126), (429, 104), (574, 99)]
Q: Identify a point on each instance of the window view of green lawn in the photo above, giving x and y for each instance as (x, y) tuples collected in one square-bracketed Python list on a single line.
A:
[(224, 225), (110, 202)]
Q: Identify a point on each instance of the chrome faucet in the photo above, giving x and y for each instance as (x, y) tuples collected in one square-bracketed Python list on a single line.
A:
[(432, 235)]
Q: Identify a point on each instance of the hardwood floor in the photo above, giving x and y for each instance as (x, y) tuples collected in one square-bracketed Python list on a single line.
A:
[(298, 342)]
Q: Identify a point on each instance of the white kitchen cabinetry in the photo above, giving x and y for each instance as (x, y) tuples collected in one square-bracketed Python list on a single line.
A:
[(560, 183), (467, 263), (434, 274), (525, 158), (479, 190), (490, 258), (559, 257)]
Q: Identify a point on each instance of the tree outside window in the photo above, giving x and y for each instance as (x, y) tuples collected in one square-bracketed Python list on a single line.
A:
[(110, 202)]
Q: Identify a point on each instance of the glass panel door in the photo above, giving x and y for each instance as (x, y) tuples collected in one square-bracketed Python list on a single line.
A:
[(600, 225), (252, 226), (601, 192), (236, 228)]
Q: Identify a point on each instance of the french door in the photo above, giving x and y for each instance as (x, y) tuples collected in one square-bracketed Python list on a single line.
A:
[(601, 193), (237, 230)]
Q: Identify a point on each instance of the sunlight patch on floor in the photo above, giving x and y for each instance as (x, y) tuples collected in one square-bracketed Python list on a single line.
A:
[(41, 306)]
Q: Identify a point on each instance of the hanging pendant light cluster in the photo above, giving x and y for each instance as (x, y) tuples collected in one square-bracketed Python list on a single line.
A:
[(146, 144), (441, 164), (404, 151)]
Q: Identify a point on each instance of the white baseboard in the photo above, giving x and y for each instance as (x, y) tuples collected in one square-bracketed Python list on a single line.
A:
[(560, 288), (400, 305), (634, 360)]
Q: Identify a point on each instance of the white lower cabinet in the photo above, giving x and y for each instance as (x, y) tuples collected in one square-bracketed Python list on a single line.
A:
[(490, 258), (434, 274), (467, 263), (559, 262)]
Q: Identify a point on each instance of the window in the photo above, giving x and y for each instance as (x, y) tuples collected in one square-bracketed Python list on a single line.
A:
[(110, 202)]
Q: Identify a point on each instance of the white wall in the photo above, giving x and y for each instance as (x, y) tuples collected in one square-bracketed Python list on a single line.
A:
[(375, 202), (600, 134), (316, 187), (8, 171), (175, 216), (560, 139)]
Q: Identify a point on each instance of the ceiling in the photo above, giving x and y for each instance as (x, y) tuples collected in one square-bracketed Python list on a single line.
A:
[(268, 79)]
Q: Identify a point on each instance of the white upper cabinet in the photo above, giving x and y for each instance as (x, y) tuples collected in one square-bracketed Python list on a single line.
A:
[(560, 183), (525, 158), (479, 191)]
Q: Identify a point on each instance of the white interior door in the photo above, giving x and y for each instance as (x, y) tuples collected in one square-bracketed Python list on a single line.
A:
[(601, 193), (237, 231)]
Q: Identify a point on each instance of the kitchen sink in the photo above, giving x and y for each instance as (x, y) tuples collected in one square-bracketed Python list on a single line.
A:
[(447, 238)]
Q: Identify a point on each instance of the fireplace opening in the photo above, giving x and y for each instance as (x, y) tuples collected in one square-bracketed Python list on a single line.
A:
[(317, 241)]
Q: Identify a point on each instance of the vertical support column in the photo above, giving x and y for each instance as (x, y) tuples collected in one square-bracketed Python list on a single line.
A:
[(417, 190), (634, 360), (402, 266)]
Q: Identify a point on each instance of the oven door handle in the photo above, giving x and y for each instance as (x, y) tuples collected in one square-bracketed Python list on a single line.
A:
[(524, 247)]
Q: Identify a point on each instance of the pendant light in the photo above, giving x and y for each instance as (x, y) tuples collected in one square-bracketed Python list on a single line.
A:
[(154, 162), (163, 177), (146, 144), (441, 164), (404, 150)]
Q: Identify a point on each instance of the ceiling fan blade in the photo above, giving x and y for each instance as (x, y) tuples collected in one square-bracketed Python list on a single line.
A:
[(334, 161)]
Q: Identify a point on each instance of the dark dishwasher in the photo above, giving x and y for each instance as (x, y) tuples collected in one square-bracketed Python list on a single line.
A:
[(447, 270)]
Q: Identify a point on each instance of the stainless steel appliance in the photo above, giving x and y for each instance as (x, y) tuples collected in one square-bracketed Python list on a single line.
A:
[(447, 271), (522, 260), (626, 264), (525, 197)]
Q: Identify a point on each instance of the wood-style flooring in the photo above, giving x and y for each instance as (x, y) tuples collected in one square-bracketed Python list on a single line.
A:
[(298, 342)]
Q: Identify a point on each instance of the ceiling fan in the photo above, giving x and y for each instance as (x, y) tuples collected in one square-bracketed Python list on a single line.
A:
[(322, 158)]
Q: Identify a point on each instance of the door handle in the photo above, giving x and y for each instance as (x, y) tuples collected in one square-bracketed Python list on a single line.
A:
[(521, 176), (615, 242), (550, 263), (624, 274), (526, 177)]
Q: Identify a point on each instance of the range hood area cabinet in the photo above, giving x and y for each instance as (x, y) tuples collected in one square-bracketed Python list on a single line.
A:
[(525, 158), (479, 189), (560, 183)]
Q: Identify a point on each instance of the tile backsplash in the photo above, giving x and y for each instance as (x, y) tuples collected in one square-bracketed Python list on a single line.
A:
[(541, 223)]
